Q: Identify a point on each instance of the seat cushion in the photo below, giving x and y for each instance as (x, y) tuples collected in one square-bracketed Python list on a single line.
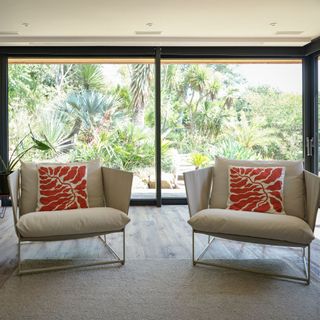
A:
[(253, 224), (71, 222), (29, 185), (293, 188)]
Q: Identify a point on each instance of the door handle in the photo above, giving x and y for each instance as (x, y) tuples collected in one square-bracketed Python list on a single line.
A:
[(309, 146)]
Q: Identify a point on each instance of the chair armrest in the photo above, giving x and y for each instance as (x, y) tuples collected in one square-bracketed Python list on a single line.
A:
[(312, 183), (117, 188), (198, 187), (14, 188)]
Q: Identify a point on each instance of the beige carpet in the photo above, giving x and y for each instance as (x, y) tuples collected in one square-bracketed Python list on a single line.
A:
[(156, 289)]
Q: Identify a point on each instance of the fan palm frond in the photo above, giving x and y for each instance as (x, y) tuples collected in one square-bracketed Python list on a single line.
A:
[(90, 76)]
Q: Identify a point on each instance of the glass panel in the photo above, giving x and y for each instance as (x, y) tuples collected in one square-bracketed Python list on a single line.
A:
[(100, 110), (238, 110)]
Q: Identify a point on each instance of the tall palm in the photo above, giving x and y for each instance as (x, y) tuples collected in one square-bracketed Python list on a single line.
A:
[(169, 85), (140, 84), (199, 88)]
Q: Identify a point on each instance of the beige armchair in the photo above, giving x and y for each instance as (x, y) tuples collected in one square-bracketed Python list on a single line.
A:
[(207, 192), (110, 195)]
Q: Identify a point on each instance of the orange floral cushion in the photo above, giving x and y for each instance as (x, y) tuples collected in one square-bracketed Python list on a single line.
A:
[(256, 189), (62, 187)]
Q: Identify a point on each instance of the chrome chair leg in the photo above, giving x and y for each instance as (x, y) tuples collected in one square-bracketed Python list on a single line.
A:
[(123, 247), (19, 256), (193, 261)]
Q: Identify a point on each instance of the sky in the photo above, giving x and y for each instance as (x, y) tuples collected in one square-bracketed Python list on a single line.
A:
[(285, 77)]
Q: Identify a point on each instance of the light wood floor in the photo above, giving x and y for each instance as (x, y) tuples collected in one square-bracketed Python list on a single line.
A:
[(153, 233)]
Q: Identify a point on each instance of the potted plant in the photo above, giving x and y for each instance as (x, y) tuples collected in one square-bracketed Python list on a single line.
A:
[(7, 167)]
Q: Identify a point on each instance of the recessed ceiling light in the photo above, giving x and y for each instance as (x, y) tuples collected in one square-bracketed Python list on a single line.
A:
[(148, 32), (9, 33), (289, 32), (25, 24), (149, 24), (273, 24)]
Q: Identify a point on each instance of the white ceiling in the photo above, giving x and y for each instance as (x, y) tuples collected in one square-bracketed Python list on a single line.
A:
[(181, 22)]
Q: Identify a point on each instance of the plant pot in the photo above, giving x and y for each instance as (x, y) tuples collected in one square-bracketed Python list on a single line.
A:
[(4, 187)]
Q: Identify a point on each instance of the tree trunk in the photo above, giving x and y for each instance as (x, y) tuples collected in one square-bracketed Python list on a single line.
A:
[(140, 84), (139, 112)]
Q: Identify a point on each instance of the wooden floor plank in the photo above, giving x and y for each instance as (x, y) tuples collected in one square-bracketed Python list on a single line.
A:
[(153, 233)]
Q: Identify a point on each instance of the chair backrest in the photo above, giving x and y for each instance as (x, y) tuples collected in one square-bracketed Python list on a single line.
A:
[(29, 186), (198, 188), (14, 188), (117, 186), (294, 186)]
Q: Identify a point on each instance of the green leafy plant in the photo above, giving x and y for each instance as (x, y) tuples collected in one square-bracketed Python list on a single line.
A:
[(199, 160), (19, 151), (231, 149)]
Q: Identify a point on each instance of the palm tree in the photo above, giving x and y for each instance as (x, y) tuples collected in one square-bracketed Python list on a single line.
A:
[(90, 109), (169, 86), (210, 119), (199, 89), (53, 125), (140, 85), (90, 77)]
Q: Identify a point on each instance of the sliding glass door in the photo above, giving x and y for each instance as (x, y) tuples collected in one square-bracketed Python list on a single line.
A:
[(106, 108), (87, 109), (239, 109)]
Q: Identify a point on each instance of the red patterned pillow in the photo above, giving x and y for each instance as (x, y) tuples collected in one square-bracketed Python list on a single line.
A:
[(256, 189), (62, 187)]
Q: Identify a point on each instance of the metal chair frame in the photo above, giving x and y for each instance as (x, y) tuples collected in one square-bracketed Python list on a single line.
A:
[(102, 237), (306, 262)]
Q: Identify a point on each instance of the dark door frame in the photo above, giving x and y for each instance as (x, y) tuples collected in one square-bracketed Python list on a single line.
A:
[(310, 112), (4, 119), (308, 54)]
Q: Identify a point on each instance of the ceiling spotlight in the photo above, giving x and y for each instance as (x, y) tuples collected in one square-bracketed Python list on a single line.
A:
[(273, 24), (25, 24), (149, 24)]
